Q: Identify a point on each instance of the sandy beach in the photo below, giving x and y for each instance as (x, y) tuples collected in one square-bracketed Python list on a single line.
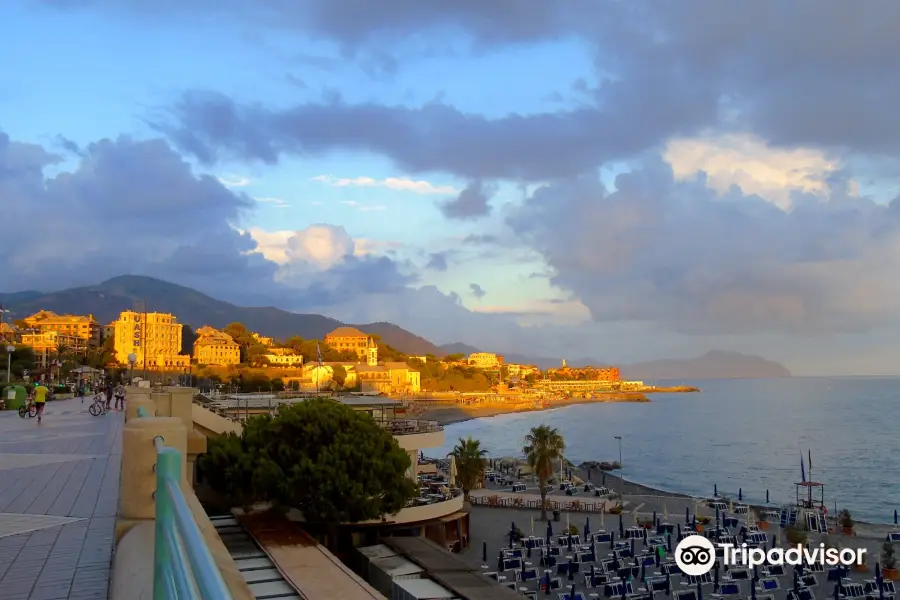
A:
[(447, 414)]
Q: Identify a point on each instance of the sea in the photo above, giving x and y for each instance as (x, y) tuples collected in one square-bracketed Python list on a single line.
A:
[(750, 435)]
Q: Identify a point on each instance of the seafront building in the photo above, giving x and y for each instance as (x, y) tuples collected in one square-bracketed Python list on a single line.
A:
[(80, 326), (49, 345), (349, 339), (154, 338), (485, 360), (215, 348)]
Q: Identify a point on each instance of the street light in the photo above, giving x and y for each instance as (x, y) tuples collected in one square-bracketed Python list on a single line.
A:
[(132, 358), (9, 352)]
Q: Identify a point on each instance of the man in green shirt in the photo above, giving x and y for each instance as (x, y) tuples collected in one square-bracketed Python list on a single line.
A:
[(40, 399)]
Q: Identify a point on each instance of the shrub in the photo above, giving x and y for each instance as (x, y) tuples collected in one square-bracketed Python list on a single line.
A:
[(845, 518), (887, 555), (795, 535)]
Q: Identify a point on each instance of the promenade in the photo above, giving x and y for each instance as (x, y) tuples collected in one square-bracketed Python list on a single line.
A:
[(59, 488)]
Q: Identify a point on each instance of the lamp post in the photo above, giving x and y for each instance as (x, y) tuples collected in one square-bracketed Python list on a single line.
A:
[(621, 467), (9, 352), (132, 358)]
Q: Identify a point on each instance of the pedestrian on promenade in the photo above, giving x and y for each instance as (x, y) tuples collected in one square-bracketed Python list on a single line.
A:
[(120, 397), (109, 393), (40, 399)]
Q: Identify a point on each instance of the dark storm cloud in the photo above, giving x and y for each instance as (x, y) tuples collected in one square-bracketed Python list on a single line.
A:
[(471, 203), (680, 256)]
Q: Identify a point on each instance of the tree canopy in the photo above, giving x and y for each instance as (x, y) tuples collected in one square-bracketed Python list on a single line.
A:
[(470, 463), (330, 462)]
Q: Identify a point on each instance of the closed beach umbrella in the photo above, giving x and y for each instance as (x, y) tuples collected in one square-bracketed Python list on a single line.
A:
[(694, 522), (484, 552), (512, 533), (549, 530), (570, 570), (593, 552), (593, 574), (645, 538), (774, 541), (740, 494), (569, 542), (669, 539), (837, 591), (547, 583), (716, 577), (572, 592), (687, 515), (668, 584), (715, 490), (621, 526), (679, 535), (612, 540), (654, 518), (895, 516), (615, 563), (699, 591), (717, 516), (767, 496), (624, 594), (632, 546), (752, 590), (587, 527)]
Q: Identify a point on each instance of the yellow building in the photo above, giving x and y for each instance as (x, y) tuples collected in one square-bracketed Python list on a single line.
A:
[(214, 347), (284, 360), (8, 332), (387, 378), (82, 326), (155, 338), (47, 345), (109, 331), (265, 341), (484, 360), (349, 339)]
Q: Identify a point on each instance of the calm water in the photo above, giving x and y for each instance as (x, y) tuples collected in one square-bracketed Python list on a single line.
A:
[(745, 434)]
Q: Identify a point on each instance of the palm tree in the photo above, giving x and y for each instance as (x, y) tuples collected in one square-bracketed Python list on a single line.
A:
[(543, 447), (470, 464)]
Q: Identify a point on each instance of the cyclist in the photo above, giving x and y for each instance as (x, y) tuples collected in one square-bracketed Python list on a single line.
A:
[(40, 399)]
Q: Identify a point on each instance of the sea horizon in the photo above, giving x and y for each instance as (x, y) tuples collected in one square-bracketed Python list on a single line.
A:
[(737, 434)]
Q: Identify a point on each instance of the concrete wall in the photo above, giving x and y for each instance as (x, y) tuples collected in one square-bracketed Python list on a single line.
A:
[(133, 561)]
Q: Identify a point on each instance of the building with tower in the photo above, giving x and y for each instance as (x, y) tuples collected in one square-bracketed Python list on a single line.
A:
[(155, 338)]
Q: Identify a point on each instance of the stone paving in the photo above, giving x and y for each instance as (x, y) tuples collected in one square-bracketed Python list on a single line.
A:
[(59, 492)]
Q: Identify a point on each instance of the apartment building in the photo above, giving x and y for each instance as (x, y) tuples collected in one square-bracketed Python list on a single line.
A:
[(349, 338), (154, 338), (214, 347), (47, 346), (81, 326)]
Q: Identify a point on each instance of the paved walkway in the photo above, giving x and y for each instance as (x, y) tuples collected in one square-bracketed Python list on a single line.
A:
[(59, 492)]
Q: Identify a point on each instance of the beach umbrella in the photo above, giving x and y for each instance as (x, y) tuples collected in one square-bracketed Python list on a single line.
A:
[(621, 526), (699, 590), (774, 541), (767, 496), (612, 540), (603, 519), (668, 584), (593, 574), (587, 527), (547, 582), (624, 595), (715, 490), (645, 538), (694, 522), (484, 552), (572, 592), (752, 590), (512, 534), (895, 516), (717, 516), (679, 535), (615, 563), (632, 546), (716, 577), (654, 518), (570, 570), (593, 552), (549, 531), (687, 515), (569, 542), (669, 540), (837, 590), (740, 494)]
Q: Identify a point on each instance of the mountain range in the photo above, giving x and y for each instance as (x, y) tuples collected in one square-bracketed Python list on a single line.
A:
[(131, 292)]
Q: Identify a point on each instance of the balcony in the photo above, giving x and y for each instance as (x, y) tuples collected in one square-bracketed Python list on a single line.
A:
[(423, 509), (413, 434)]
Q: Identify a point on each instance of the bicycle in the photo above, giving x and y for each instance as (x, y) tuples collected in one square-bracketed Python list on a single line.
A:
[(28, 409), (98, 407)]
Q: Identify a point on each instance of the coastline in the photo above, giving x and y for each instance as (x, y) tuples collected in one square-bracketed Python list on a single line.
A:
[(450, 414)]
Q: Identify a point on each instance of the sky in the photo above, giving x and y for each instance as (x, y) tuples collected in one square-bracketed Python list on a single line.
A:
[(588, 179)]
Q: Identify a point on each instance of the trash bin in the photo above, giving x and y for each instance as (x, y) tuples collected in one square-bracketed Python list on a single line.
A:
[(14, 396), (555, 512)]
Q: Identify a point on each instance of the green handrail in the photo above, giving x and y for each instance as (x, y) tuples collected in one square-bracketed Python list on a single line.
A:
[(183, 566)]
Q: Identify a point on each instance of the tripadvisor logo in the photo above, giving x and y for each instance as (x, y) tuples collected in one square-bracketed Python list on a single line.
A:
[(695, 555)]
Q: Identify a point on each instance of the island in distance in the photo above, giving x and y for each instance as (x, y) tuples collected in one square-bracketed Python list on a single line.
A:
[(107, 299)]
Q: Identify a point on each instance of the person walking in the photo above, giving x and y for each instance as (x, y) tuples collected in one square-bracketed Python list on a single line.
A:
[(120, 397), (40, 399), (109, 393)]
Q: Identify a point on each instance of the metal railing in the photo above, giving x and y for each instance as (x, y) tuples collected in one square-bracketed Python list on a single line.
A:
[(183, 566)]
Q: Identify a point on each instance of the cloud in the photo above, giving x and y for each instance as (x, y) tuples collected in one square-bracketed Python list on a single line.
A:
[(401, 184), (275, 202), (471, 203), (681, 256), (751, 164), (234, 181), (477, 290), (437, 261)]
